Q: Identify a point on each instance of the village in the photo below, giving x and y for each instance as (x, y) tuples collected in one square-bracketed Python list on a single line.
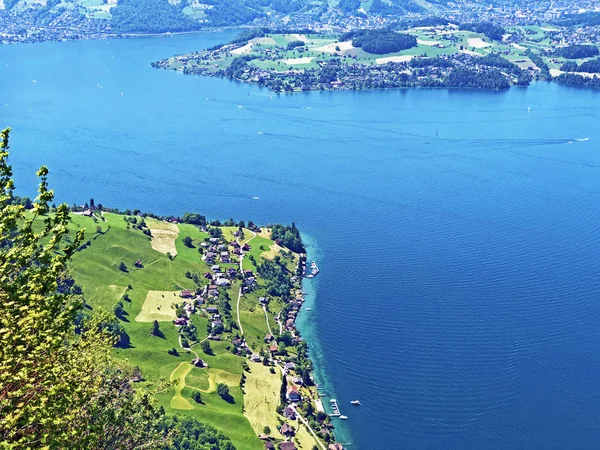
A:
[(281, 349)]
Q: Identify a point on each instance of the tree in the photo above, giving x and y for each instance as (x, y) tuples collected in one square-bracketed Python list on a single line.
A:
[(118, 310), (156, 329), (205, 346), (197, 397), (122, 267), (267, 430), (57, 389), (223, 390), (187, 241)]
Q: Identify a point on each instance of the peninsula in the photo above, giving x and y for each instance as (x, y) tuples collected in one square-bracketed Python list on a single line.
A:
[(195, 316), (210, 306)]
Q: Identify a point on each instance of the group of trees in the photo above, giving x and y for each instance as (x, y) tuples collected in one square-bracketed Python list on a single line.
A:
[(394, 7), (578, 80), (492, 31), (471, 78), (277, 278), (288, 236), (577, 51), (381, 41), (591, 66), (293, 44), (544, 73)]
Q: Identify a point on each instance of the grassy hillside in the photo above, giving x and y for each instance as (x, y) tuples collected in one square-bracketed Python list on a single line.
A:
[(156, 282)]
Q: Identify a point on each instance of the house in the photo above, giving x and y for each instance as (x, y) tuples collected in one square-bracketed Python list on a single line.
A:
[(289, 366), (273, 348), (210, 257), (208, 275), (287, 430), (214, 338), (186, 293), (213, 292), (287, 446), (223, 282), (212, 309), (237, 342), (248, 273), (298, 380), (290, 413), (225, 257), (335, 446), (189, 308), (181, 321), (293, 394), (249, 281), (255, 358), (215, 268), (269, 445), (235, 244), (231, 272), (268, 337), (246, 247), (263, 300), (198, 363), (213, 240), (216, 323)]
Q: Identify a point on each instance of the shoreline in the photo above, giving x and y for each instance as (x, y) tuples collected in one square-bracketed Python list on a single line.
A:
[(305, 323)]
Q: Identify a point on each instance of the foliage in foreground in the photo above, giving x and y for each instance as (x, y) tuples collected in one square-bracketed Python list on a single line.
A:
[(60, 386)]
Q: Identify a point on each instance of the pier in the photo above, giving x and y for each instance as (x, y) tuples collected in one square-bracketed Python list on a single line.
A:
[(335, 407), (314, 269)]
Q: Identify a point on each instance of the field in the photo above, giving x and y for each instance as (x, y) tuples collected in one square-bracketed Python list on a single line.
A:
[(157, 306), (151, 290)]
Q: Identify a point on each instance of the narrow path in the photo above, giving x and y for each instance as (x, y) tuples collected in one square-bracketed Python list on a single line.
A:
[(267, 319), (240, 293), (279, 322)]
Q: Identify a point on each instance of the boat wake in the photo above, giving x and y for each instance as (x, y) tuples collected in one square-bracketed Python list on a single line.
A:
[(582, 139)]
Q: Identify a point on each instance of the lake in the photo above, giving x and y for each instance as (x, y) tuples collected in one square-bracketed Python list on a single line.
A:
[(457, 232)]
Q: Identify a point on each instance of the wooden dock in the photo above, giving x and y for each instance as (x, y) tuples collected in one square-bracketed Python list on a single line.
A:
[(335, 407)]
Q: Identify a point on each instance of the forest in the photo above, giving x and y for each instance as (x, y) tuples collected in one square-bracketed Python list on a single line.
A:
[(380, 42), (492, 31), (150, 16), (577, 51)]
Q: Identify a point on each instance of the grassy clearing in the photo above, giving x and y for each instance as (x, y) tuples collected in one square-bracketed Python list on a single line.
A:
[(262, 397), (163, 236), (158, 306)]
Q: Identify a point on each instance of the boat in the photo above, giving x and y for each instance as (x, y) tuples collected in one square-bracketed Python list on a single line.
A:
[(344, 417), (306, 309), (333, 400), (356, 402)]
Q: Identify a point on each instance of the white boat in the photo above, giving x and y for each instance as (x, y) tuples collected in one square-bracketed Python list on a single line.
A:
[(344, 417), (355, 402), (306, 309), (333, 400)]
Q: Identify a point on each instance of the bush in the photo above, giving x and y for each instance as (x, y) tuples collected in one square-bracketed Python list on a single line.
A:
[(223, 390), (197, 397)]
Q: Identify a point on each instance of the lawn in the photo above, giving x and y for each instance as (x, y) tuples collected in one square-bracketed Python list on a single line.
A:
[(262, 397)]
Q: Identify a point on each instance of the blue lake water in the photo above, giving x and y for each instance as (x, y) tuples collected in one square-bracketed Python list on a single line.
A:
[(460, 274)]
